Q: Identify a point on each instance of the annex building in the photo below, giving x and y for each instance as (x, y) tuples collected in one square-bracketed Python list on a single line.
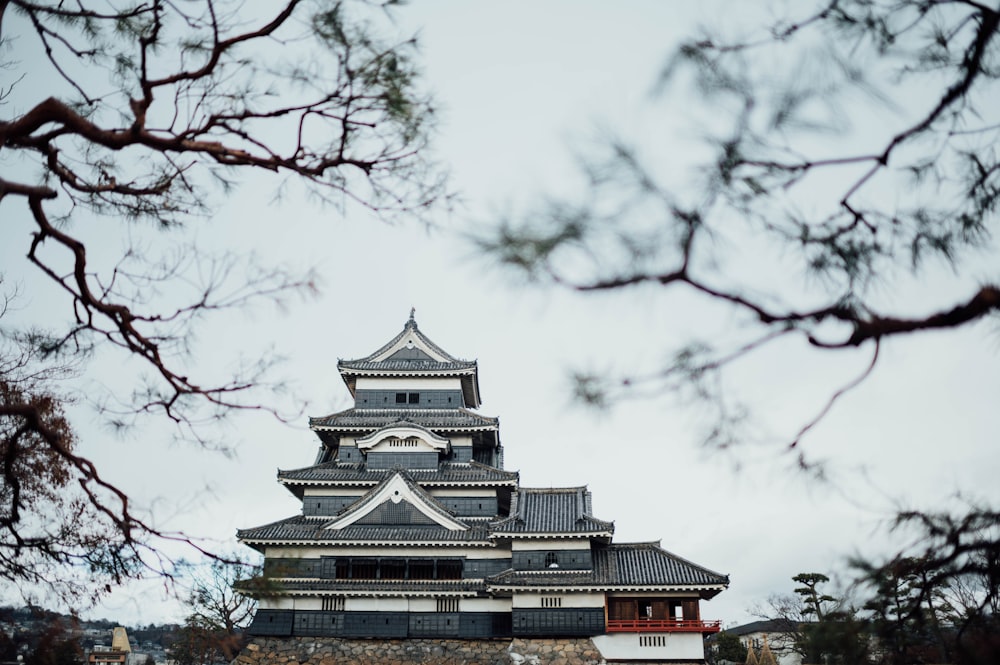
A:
[(411, 528)]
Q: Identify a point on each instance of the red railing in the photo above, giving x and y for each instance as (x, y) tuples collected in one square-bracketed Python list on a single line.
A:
[(663, 626)]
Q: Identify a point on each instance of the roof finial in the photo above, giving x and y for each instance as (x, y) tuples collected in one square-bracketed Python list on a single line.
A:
[(412, 323)]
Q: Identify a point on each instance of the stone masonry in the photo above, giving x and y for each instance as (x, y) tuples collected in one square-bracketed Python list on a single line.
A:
[(337, 651)]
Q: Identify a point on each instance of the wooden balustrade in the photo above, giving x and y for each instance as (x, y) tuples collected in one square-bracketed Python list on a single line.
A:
[(663, 626)]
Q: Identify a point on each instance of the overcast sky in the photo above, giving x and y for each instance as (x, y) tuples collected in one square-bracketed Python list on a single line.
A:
[(522, 87)]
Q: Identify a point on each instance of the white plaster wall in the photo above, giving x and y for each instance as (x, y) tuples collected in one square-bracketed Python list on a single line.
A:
[(484, 605), (423, 605), (654, 594), (471, 491), (277, 603), (376, 604), (625, 646), (407, 383), (347, 550), (404, 446), (552, 544), (526, 600), (333, 491), (308, 603)]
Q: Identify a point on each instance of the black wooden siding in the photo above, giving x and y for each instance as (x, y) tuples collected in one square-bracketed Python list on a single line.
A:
[(405, 460), (326, 567), (567, 622), (425, 399), (542, 560), (475, 506), (326, 506), (312, 623)]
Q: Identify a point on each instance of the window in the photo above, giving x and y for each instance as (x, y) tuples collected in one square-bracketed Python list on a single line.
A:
[(421, 569), (551, 601), (364, 569), (343, 569), (392, 569), (447, 604), (551, 560), (449, 569), (333, 604), (400, 398), (414, 398)]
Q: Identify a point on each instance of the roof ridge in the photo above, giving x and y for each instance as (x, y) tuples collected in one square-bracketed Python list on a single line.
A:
[(408, 327)]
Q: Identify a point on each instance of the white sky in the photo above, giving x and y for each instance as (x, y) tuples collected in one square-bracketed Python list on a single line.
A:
[(521, 86)]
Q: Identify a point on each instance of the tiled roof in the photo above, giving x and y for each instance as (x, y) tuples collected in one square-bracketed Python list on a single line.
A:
[(447, 473), (395, 365), (531, 578), (622, 565), (432, 419), (552, 511), (767, 626), (418, 363), (368, 587), (299, 529), (640, 564)]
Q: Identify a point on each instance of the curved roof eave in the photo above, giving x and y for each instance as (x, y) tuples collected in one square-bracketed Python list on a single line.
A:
[(613, 588), (553, 535)]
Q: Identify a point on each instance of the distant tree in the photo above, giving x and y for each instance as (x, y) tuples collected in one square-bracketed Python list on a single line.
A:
[(937, 599), (54, 645), (850, 145), (218, 614), (8, 647), (123, 119), (816, 604), (819, 627), (728, 647)]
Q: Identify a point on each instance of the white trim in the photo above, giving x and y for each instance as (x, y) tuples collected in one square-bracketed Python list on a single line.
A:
[(396, 490), (404, 432), (289, 542), (430, 483), (527, 588), (543, 545), (550, 536)]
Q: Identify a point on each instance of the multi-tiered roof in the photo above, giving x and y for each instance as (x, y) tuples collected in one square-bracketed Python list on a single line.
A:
[(408, 500)]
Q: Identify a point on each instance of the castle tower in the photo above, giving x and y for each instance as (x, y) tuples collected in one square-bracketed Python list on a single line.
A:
[(410, 527)]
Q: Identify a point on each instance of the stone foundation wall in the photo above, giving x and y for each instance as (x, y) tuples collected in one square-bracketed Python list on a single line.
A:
[(338, 651)]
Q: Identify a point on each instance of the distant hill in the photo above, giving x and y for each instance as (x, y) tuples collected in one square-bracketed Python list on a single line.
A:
[(23, 630)]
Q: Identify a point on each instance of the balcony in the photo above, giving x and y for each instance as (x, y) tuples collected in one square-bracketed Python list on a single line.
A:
[(663, 626)]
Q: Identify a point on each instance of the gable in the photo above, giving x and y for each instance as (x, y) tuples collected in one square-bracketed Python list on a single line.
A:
[(404, 436), (398, 499), (401, 513), (410, 353)]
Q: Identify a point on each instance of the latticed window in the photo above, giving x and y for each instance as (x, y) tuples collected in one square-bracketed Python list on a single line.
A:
[(449, 569), (551, 560), (333, 604), (364, 569), (421, 569), (392, 569), (447, 604), (551, 601), (343, 569)]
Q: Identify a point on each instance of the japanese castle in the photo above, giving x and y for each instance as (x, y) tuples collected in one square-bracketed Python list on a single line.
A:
[(411, 528)]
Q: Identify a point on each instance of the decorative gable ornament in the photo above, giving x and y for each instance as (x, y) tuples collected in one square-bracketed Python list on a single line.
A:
[(396, 489), (404, 435)]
